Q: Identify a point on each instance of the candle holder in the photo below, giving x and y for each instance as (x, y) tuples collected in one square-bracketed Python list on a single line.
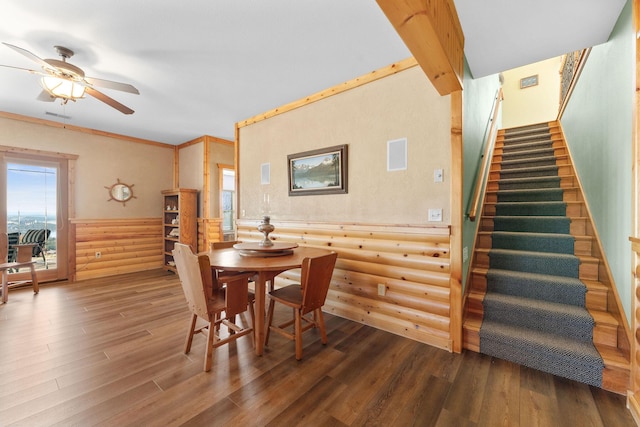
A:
[(265, 228)]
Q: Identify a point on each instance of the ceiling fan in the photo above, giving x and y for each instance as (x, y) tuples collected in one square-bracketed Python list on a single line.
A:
[(63, 80)]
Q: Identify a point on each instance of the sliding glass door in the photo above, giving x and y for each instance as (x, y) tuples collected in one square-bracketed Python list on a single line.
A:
[(31, 209)]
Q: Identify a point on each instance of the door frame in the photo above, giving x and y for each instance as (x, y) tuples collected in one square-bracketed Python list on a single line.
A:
[(64, 205)]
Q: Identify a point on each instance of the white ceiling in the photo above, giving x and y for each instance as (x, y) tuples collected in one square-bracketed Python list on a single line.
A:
[(203, 65), (504, 34)]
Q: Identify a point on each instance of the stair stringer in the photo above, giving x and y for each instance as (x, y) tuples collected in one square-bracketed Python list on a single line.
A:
[(618, 376)]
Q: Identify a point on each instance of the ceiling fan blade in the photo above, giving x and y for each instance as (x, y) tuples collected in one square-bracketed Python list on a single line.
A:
[(23, 69), (45, 96), (29, 55), (124, 87), (109, 101)]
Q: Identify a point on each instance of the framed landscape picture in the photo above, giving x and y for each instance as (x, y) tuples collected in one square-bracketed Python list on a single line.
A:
[(322, 171), (528, 81)]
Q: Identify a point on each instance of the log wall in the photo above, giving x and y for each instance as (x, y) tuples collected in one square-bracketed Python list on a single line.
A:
[(125, 246), (209, 230), (411, 262)]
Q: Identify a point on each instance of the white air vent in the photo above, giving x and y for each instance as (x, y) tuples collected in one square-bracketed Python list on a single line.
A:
[(397, 154), (60, 116)]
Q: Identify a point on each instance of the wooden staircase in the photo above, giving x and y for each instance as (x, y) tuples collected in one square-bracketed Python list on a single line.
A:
[(610, 334)]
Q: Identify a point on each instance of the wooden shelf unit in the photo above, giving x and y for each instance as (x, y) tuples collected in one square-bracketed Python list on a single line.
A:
[(179, 207)]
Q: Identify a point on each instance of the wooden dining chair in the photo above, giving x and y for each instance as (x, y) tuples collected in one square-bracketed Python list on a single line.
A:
[(225, 275), (22, 259), (307, 297), (223, 245), (209, 302)]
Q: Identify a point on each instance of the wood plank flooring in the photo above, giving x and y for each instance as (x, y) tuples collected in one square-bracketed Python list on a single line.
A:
[(108, 352)]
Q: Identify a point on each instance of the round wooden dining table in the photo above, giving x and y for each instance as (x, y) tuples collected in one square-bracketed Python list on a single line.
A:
[(267, 268)]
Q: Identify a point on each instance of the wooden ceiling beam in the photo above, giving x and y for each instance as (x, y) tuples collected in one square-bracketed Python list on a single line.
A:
[(432, 32)]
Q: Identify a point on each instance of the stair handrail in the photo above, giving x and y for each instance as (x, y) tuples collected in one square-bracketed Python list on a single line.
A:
[(488, 154)]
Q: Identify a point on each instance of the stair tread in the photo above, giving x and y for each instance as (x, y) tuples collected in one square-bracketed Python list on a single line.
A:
[(593, 285), (546, 306), (531, 233), (473, 323), (603, 318), (531, 190), (533, 137), (528, 159), (530, 178), (585, 258), (530, 335), (534, 150), (613, 357), (533, 216), (555, 202)]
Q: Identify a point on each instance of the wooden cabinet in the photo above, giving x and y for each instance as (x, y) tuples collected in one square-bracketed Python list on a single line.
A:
[(179, 221)]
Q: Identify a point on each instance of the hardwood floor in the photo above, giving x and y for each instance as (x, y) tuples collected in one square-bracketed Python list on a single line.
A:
[(108, 352)]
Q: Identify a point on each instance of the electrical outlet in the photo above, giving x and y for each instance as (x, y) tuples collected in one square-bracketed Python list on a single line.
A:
[(382, 289), (465, 254), (98, 255), (438, 175), (435, 215)]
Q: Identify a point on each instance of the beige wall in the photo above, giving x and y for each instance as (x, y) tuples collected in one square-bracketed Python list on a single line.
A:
[(101, 161), (404, 105), (534, 104), (191, 169), (220, 153)]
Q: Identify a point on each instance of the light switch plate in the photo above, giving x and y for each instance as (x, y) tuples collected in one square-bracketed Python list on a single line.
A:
[(435, 215), (438, 175)]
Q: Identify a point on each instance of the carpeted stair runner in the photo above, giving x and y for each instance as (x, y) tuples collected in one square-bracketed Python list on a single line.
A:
[(538, 242), (564, 290), (534, 307), (540, 224)]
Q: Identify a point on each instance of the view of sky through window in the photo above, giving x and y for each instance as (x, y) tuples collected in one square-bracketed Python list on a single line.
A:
[(31, 198), (31, 190)]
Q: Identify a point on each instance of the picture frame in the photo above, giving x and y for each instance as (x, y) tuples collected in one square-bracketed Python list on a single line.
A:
[(321, 171), (530, 81)]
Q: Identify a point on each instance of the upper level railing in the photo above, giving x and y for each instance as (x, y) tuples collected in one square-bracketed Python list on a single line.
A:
[(486, 157), (572, 65)]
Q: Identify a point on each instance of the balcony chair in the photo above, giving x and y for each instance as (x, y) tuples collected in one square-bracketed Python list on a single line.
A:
[(39, 237), (209, 302), (12, 239), (307, 297), (22, 258)]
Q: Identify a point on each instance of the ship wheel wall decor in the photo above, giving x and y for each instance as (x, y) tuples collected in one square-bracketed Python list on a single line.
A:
[(120, 192)]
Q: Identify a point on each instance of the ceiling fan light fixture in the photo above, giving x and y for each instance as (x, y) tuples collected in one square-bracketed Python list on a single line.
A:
[(62, 88)]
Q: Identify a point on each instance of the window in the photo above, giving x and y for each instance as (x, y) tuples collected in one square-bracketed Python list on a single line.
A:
[(228, 200)]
